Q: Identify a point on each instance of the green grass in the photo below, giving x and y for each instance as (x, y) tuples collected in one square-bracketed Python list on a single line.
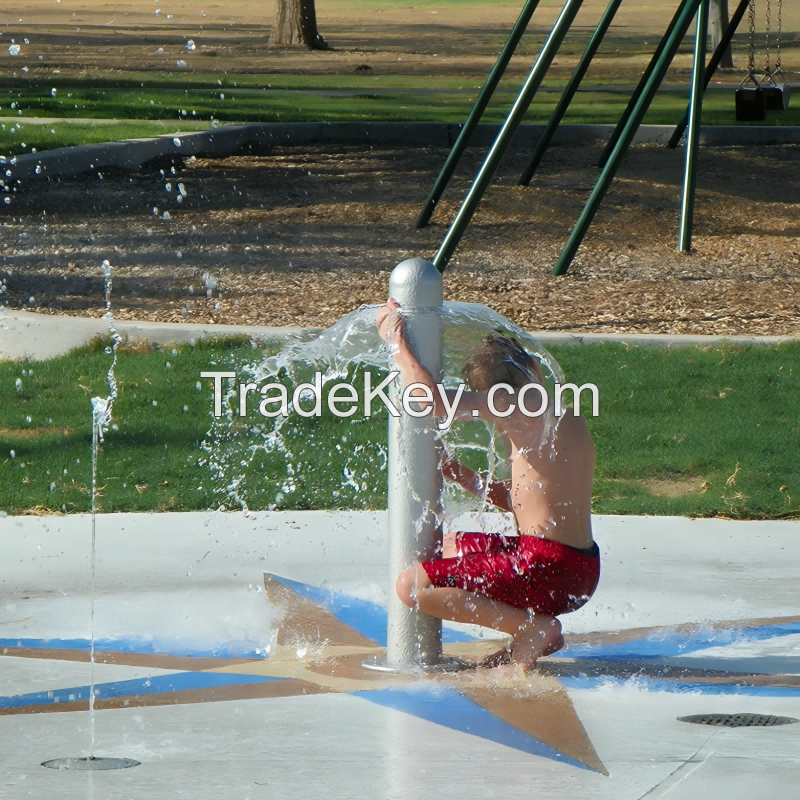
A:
[(37, 137), (139, 110), (716, 430), (721, 420)]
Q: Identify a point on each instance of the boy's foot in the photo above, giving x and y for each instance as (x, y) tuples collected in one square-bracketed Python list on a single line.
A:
[(495, 659), (542, 639)]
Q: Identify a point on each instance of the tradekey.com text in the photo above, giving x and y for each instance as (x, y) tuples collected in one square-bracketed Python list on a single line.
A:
[(417, 399)]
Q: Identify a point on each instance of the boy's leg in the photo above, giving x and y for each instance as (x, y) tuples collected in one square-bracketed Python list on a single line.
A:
[(534, 635)]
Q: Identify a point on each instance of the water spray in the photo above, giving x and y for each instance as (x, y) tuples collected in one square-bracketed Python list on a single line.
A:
[(101, 420)]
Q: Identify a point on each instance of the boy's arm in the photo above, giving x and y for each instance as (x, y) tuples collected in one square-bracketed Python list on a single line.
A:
[(391, 326), (498, 493), (392, 329)]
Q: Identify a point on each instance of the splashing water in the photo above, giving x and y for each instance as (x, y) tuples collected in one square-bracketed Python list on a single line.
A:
[(241, 452), (101, 419)]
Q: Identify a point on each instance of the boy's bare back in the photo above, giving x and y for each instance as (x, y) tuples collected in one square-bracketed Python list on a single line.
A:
[(551, 480)]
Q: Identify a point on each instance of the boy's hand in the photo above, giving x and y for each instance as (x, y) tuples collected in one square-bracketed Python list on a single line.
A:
[(449, 545), (390, 323), (450, 468)]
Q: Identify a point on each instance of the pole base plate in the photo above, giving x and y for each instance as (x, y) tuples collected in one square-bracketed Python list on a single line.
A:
[(445, 664)]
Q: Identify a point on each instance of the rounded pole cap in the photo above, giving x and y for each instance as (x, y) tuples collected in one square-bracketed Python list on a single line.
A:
[(416, 284)]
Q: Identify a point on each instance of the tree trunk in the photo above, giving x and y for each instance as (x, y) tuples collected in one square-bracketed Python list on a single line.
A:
[(718, 24), (296, 24)]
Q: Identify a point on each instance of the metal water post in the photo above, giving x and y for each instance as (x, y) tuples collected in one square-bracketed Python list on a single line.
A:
[(415, 480)]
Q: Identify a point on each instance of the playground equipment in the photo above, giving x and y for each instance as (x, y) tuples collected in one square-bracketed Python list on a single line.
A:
[(762, 90), (773, 83), (751, 105), (625, 129)]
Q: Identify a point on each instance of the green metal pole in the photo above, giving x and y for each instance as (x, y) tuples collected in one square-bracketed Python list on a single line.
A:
[(712, 67), (607, 174), (569, 91), (507, 131), (693, 133), (477, 112), (637, 92)]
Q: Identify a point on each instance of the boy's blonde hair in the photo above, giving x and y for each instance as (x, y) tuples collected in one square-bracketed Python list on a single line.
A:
[(500, 359)]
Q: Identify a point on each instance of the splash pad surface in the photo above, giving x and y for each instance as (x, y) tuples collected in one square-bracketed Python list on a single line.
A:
[(229, 653)]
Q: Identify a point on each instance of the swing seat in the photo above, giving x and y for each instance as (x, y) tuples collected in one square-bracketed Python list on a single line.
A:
[(751, 105), (776, 97)]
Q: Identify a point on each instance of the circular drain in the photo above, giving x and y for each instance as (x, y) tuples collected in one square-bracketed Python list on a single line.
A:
[(738, 720), (90, 763)]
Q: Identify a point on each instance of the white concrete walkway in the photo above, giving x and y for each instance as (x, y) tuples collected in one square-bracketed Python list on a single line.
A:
[(27, 334), (199, 686)]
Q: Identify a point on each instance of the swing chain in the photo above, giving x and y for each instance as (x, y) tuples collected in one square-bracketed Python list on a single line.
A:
[(767, 70), (778, 70), (751, 47)]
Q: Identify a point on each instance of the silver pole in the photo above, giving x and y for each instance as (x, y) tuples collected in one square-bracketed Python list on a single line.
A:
[(415, 480)]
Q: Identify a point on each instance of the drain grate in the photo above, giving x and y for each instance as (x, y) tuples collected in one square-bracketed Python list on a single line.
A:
[(738, 720), (90, 763)]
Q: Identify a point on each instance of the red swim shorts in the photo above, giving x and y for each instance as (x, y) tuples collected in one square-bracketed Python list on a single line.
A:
[(522, 571)]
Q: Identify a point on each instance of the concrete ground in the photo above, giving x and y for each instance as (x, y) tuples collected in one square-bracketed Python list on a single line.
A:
[(229, 652), (28, 334)]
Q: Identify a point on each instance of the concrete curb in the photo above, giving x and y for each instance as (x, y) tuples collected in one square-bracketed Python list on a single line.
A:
[(132, 154), (27, 334)]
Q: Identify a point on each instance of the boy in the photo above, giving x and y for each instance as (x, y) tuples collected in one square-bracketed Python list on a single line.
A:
[(517, 585)]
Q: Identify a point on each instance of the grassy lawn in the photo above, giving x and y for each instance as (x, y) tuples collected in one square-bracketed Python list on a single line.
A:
[(194, 111), (407, 64), (688, 431)]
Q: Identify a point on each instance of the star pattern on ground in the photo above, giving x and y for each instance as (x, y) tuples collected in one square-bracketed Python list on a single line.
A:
[(325, 636)]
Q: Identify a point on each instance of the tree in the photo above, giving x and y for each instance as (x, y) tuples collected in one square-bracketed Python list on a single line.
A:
[(296, 24), (719, 19)]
